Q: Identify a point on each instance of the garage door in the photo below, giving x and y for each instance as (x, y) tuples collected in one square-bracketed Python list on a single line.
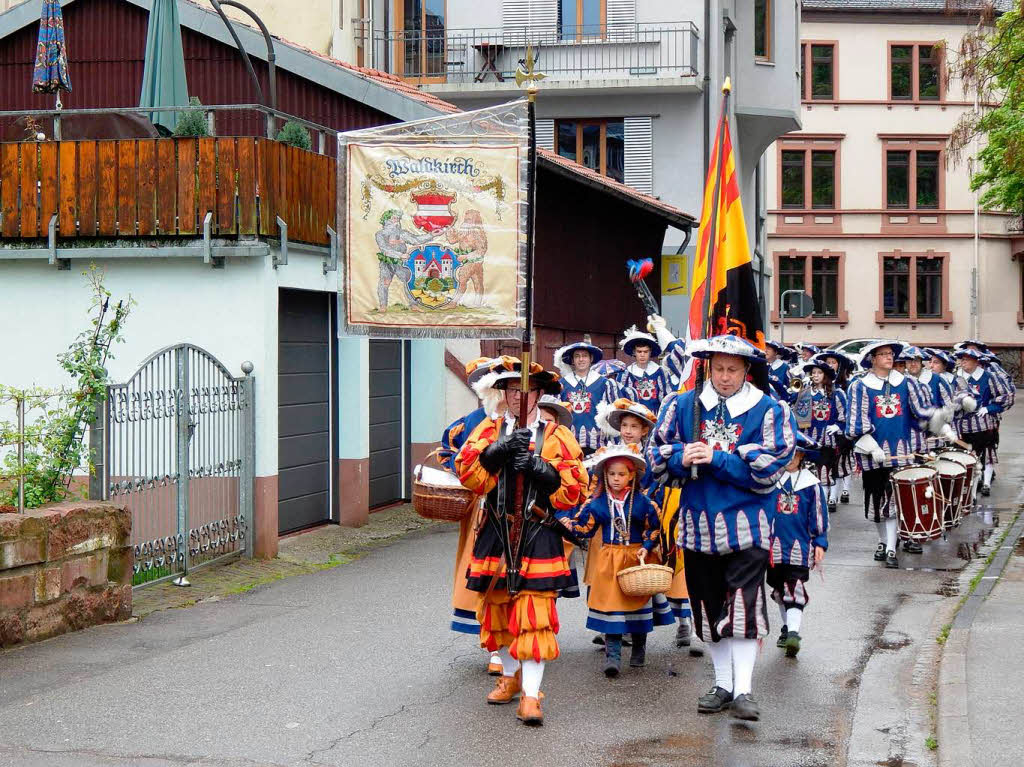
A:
[(388, 409), (305, 352)]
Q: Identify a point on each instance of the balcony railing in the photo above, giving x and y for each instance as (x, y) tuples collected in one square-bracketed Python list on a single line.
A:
[(163, 187), (461, 56)]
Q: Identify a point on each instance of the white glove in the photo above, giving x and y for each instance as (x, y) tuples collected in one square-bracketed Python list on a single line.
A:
[(833, 429), (969, 404), (657, 325), (665, 450), (878, 455), (947, 433), (939, 418), (982, 410), (866, 445)]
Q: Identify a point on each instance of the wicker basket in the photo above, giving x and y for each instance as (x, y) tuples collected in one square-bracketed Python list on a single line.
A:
[(644, 580), (440, 502)]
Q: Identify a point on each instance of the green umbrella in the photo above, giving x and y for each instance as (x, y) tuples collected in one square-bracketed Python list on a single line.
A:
[(163, 79)]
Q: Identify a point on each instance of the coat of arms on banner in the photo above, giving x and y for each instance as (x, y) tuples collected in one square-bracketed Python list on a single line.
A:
[(433, 236)]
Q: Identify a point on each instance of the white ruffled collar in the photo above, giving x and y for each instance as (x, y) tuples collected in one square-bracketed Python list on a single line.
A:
[(574, 381), (778, 363), (874, 382), (925, 377), (798, 480), (651, 369), (738, 404)]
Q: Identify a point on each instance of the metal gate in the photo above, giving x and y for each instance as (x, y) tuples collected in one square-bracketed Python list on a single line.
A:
[(178, 451)]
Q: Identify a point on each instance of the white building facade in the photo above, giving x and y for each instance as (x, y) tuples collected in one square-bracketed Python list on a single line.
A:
[(867, 210)]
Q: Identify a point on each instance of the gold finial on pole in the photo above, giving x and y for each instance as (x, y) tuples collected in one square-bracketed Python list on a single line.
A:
[(727, 85), (525, 73)]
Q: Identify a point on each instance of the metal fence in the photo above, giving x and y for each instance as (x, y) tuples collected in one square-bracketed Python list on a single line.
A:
[(175, 444), (566, 52)]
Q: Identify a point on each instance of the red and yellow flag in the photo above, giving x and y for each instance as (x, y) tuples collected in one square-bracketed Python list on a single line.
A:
[(722, 244)]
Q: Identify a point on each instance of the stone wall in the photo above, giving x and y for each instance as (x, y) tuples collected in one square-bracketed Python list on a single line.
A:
[(63, 568)]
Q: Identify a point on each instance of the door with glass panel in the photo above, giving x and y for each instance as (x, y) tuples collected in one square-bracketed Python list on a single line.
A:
[(419, 39)]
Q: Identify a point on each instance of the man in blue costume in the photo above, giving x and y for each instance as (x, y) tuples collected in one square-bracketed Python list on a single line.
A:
[(583, 390)]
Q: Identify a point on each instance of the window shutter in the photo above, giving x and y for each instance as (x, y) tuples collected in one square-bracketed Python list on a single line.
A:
[(620, 19), (546, 133), (639, 164), (539, 18)]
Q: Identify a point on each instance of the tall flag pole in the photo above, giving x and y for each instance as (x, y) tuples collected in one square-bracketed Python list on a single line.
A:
[(724, 295)]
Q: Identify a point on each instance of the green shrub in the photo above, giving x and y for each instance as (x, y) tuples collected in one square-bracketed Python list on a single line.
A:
[(192, 122), (294, 134)]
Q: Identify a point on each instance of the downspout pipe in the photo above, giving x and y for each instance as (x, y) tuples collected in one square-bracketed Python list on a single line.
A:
[(707, 84)]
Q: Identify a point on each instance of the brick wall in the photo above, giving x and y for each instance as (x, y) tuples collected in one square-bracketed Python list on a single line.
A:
[(63, 568)]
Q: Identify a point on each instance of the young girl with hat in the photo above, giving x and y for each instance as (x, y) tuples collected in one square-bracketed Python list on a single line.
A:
[(630, 529), (828, 419)]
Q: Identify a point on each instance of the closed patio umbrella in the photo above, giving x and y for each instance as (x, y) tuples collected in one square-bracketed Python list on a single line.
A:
[(50, 74), (163, 79)]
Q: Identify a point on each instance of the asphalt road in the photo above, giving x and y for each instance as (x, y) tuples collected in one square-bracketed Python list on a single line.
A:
[(356, 666)]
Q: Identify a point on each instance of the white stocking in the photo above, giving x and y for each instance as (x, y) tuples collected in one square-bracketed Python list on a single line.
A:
[(782, 612), (509, 665), (744, 656), (891, 529), (833, 493), (793, 616), (533, 674), (721, 656), (882, 531), (846, 483), (989, 471)]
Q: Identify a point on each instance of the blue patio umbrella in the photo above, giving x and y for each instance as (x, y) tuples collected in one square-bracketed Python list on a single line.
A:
[(163, 79), (50, 74)]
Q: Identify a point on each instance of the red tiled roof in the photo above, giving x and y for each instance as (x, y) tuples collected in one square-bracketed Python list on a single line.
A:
[(396, 83)]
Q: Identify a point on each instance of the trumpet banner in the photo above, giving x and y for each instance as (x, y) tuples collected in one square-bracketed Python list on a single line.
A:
[(434, 232)]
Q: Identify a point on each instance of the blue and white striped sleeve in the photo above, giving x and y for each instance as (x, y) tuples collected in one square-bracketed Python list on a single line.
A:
[(819, 519), (673, 362), (666, 432), (858, 419), (758, 465), (999, 394), (920, 397)]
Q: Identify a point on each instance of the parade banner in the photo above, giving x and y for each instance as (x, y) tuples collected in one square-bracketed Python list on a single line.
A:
[(433, 215)]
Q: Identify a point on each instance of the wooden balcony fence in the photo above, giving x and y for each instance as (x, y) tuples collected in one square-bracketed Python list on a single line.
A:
[(164, 188)]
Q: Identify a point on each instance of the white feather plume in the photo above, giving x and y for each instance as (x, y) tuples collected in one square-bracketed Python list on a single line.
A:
[(603, 409), (564, 368)]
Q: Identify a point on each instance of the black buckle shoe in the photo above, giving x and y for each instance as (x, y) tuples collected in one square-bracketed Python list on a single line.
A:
[(880, 553), (714, 700), (832, 507), (781, 641), (890, 560), (986, 490), (792, 644), (844, 497), (913, 547), (744, 707)]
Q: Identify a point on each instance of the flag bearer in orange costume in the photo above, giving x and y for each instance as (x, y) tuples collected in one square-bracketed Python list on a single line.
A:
[(518, 564)]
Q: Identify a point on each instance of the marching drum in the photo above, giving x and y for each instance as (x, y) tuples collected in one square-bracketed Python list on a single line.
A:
[(915, 491), (951, 479), (970, 462)]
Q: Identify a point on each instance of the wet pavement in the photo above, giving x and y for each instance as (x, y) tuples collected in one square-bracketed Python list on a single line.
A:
[(355, 665)]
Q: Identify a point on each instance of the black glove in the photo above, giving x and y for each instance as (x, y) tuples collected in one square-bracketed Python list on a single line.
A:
[(497, 454), (543, 475)]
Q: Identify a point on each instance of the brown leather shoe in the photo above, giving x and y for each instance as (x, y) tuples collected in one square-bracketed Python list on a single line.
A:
[(529, 711), (505, 690)]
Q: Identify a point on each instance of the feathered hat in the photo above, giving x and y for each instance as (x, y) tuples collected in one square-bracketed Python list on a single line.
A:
[(610, 452), (845, 363), (972, 353), (609, 415), (563, 356), (489, 387), (608, 368), (912, 353), (972, 342), (819, 362), (941, 355), (553, 403), (632, 337), (870, 349), (704, 348)]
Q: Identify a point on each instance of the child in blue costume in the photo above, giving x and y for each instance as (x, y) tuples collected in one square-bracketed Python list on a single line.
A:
[(644, 381), (828, 420), (799, 541), (629, 423), (889, 417), (630, 528), (980, 427), (583, 390), (743, 441), (843, 366)]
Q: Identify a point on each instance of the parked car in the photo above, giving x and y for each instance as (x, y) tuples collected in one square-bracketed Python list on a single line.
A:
[(852, 347)]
